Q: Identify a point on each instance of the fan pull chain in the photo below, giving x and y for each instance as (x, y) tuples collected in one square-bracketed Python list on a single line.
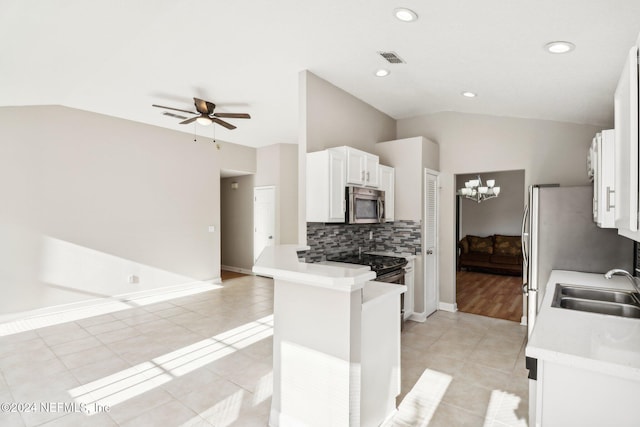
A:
[(194, 132)]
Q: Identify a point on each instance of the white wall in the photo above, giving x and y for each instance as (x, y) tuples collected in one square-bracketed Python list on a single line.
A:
[(547, 151), (500, 215), (236, 217), (277, 165), (331, 117), (409, 157), (89, 199)]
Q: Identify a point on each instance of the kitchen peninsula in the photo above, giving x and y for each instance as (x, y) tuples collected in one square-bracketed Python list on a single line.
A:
[(336, 342)]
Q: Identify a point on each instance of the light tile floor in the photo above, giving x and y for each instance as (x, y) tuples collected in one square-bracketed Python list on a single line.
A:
[(205, 360)]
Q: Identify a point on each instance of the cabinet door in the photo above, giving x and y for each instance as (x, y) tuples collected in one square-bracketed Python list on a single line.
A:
[(626, 149), (409, 283), (371, 171), (604, 190), (337, 184), (356, 163), (387, 184)]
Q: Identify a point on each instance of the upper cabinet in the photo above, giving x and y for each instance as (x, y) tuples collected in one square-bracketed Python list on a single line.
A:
[(326, 182), (387, 184), (362, 167), (626, 149), (602, 165)]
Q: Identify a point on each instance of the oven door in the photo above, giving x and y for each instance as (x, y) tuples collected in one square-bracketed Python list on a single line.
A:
[(396, 277)]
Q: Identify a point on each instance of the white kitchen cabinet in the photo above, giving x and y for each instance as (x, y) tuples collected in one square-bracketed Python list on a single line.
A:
[(603, 164), (362, 167), (326, 182), (626, 149), (409, 275), (387, 176), (568, 395)]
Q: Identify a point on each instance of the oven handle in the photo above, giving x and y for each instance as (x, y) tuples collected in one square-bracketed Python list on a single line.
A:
[(380, 209)]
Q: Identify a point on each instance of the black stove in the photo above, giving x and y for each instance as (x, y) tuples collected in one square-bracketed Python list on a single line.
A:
[(381, 264)]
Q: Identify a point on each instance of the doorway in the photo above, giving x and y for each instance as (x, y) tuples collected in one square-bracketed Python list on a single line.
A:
[(489, 254), (264, 219), (430, 241)]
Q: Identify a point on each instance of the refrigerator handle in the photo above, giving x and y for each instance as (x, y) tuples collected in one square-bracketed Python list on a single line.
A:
[(525, 236)]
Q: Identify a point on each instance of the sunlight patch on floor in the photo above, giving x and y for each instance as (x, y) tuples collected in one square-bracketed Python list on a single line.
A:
[(100, 307), (502, 410), (419, 405), (123, 385)]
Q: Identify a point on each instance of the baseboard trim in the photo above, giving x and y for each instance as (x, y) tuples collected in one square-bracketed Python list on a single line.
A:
[(236, 269), (445, 306), (418, 317)]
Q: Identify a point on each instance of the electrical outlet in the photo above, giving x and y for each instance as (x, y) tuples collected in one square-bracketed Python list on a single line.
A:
[(371, 235), (212, 229), (133, 278)]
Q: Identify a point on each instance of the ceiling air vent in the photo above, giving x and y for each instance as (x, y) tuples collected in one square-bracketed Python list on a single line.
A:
[(392, 57), (177, 116)]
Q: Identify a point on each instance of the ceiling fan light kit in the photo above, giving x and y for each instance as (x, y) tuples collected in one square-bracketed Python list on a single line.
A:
[(205, 114)]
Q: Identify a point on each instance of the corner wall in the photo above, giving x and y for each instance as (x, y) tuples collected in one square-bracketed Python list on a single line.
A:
[(547, 151), (89, 200)]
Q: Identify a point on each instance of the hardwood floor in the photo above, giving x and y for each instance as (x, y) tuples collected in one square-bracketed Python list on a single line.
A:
[(489, 295), (227, 275)]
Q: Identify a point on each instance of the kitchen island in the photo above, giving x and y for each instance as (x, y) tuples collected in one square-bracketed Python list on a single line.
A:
[(336, 342), (588, 364)]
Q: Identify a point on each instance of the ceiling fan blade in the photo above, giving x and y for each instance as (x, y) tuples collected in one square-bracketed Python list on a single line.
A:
[(191, 120), (204, 107), (223, 123), (171, 108), (233, 115)]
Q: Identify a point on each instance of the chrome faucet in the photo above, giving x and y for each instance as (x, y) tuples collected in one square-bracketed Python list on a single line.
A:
[(619, 272)]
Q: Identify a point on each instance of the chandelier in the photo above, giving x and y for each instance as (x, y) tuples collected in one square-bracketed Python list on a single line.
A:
[(476, 191)]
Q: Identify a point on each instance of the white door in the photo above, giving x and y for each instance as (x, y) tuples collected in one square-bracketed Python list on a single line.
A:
[(264, 219), (430, 241)]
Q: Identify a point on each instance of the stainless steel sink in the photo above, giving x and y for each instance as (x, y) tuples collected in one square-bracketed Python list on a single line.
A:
[(596, 300)]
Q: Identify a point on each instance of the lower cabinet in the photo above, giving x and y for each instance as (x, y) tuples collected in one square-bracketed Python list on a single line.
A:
[(409, 281), (572, 396)]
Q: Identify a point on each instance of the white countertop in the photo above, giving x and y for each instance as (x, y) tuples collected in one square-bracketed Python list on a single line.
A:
[(281, 262), (592, 341)]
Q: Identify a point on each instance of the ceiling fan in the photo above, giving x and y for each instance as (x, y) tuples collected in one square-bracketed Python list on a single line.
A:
[(205, 115)]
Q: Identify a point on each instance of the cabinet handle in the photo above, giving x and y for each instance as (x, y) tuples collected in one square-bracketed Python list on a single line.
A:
[(367, 176), (362, 175), (609, 193)]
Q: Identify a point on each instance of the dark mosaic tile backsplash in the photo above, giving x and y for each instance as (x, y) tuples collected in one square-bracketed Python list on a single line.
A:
[(331, 240)]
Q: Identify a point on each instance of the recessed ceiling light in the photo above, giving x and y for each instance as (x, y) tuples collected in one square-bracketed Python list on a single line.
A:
[(382, 72), (405, 15), (559, 47), (469, 94)]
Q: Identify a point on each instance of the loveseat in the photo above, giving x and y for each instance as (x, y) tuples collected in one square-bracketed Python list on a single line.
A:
[(492, 254)]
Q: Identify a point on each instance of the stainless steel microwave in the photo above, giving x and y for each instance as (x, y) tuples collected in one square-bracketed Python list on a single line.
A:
[(364, 205)]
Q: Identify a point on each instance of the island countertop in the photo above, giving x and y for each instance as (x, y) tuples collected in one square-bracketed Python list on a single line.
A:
[(597, 342), (282, 262)]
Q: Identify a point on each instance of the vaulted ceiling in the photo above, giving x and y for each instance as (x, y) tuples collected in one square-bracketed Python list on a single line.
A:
[(120, 57)]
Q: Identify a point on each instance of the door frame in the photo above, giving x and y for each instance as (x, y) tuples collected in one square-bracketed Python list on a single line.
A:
[(436, 254), (276, 231)]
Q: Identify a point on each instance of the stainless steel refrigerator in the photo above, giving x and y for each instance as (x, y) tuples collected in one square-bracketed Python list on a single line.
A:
[(558, 233)]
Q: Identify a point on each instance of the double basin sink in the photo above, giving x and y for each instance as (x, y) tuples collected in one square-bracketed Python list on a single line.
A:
[(596, 300)]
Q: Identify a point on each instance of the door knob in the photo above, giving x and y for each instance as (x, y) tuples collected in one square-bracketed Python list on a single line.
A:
[(270, 237), (429, 252)]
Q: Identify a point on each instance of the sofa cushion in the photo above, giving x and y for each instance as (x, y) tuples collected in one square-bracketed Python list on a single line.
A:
[(483, 245), (472, 257), (505, 259), (507, 245), (464, 245)]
